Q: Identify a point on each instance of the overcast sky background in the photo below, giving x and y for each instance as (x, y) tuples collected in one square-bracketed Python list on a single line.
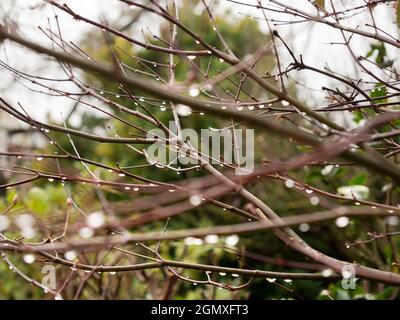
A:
[(310, 39)]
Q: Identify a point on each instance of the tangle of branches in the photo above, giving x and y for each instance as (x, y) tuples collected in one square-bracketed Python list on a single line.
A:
[(322, 194)]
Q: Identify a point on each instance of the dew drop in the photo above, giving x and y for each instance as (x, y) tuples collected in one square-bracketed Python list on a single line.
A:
[(86, 232), (194, 92), (314, 200), (327, 273), (285, 103), (4, 222), (232, 240), (304, 227), (95, 220), (70, 255), (289, 183)]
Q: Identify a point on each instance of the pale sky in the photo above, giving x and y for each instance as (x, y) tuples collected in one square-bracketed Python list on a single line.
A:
[(310, 39)]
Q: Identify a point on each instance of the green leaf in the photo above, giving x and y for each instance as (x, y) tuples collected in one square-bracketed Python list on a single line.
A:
[(313, 175), (11, 193), (359, 179), (380, 53), (357, 116), (385, 294), (342, 295), (303, 148)]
